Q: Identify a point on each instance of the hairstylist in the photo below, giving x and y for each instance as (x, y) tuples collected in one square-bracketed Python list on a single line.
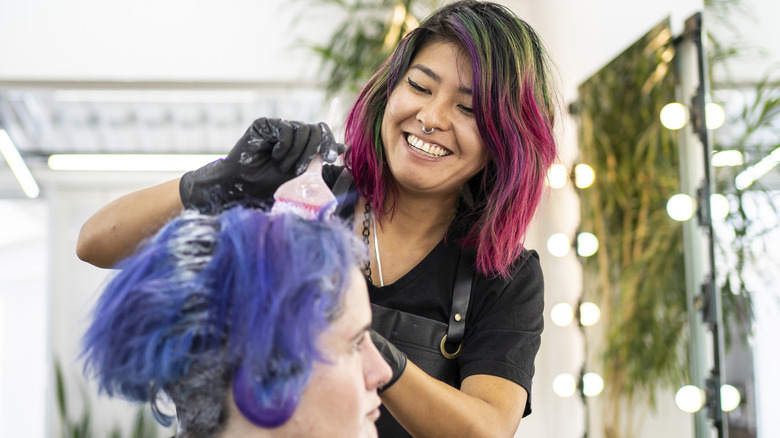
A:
[(449, 144)]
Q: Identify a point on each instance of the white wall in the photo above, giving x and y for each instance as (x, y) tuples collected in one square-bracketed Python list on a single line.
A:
[(156, 40), (24, 311)]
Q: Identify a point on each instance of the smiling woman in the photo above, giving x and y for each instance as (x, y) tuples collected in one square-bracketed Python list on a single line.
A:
[(435, 95)]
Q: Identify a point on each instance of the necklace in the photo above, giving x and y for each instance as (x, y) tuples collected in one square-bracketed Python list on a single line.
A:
[(366, 221), (370, 219)]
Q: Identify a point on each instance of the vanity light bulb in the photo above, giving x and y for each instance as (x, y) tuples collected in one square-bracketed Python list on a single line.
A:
[(719, 206), (689, 398), (727, 158), (558, 244), (680, 207), (715, 115), (557, 176), (562, 314), (674, 116), (583, 176), (564, 385), (589, 314), (587, 244), (592, 384), (729, 398)]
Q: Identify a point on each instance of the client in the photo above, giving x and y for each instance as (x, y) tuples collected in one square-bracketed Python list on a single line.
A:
[(253, 324)]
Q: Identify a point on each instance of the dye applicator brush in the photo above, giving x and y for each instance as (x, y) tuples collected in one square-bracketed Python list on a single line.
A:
[(305, 195)]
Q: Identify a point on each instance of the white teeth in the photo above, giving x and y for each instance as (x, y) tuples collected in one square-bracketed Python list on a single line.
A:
[(430, 149)]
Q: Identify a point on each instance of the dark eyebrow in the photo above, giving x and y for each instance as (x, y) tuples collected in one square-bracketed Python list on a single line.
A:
[(430, 73)]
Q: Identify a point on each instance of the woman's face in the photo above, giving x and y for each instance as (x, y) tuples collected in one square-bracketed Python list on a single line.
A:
[(436, 92), (341, 398)]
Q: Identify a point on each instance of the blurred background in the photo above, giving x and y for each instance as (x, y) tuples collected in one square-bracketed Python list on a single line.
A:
[(652, 327)]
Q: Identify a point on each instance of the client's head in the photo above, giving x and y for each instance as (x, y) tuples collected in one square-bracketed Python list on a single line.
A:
[(253, 324)]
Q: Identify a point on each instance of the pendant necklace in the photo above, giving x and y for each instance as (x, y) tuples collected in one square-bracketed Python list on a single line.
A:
[(369, 218)]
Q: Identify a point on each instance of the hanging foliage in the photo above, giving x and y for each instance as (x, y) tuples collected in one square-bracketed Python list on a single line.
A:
[(366, 36)]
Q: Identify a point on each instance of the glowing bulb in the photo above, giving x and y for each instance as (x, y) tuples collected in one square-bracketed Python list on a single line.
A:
[(715, 115), (689, 398), (562, 314), (592, 384), (587, 244), (674, 116), (729, 398), (564, 385), (558, 244), (557, 176), (589, 314), (680, 207), (727, 158), (719, 206), (583, 176)]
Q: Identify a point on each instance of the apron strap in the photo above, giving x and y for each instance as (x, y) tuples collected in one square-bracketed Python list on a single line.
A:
[(340, 190), (461, 293)]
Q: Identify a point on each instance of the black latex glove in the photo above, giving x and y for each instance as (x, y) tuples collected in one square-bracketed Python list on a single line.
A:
[(271, 152), (392, 355)]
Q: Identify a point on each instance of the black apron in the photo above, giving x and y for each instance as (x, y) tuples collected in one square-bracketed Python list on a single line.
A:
[(431, 345)]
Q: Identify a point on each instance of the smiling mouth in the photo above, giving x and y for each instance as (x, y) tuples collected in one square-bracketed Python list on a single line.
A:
[(428, 149)]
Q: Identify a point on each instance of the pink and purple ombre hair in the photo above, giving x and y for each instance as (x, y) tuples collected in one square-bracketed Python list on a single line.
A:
[(208, 295), (513, 106)]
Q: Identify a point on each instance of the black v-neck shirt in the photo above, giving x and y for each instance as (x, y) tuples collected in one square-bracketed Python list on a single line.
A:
[(505, 317)]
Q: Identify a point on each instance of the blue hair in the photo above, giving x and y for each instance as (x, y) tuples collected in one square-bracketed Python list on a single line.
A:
[(208, 294)]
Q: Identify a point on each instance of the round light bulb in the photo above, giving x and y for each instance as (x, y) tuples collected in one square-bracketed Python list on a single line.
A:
[(592, 384), (564, 385), (727, 158), (583, 176), (562, 314), (589, 314), (557, 176), (715, 115), (719, 206), (689, 398), (558, 244), (587, 244), (729, 398), (680, 207), (674, 116)]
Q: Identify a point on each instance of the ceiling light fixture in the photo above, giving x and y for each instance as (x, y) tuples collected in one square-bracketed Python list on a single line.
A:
[(17, 165), (130, 162)]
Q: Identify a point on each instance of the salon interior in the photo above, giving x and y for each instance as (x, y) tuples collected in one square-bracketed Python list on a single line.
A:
[(661, 299)]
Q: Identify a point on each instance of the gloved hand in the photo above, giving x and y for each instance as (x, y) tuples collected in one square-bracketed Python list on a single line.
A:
[(392, 355), (271, 152)]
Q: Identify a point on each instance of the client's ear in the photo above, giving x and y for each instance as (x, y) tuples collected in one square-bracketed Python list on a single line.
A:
[(266, 404)]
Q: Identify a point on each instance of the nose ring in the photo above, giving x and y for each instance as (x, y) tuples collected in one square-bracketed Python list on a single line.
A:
[(426, 131)]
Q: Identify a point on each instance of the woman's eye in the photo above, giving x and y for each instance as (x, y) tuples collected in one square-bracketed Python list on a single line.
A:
[(416, 86), (466, 110), (358, 346)]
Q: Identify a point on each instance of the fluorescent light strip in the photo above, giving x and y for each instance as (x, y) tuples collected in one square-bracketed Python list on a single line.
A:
[(19, 169), (155, 96), (130, 162), (750, 175)]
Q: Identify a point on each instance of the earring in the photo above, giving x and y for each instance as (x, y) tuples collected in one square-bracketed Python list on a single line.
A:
[(258, 409)]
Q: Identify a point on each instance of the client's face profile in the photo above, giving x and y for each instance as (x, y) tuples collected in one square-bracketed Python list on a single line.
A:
[(341, 398)]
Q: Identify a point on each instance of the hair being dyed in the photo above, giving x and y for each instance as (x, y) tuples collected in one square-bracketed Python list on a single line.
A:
[(210, 293), (514, 111)]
